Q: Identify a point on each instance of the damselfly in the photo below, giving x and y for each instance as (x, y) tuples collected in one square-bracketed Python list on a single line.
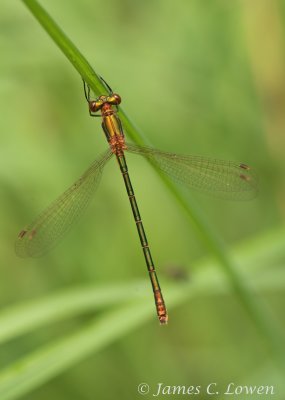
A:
[(223, 178)]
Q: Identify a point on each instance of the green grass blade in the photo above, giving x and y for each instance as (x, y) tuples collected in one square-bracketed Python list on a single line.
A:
[(66, 46), (20, 319), (40, 366)]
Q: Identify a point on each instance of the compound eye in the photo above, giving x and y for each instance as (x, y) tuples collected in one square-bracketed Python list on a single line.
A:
[(95, 106), (115, 99), (118, 98)]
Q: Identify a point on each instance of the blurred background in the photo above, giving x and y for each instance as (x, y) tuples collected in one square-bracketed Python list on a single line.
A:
[(203, 78)]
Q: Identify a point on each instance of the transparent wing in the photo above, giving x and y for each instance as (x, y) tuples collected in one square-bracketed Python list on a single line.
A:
[(224, 179), (51, 225)]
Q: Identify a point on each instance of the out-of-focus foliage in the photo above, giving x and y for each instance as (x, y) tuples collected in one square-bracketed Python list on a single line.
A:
[(196, 77)]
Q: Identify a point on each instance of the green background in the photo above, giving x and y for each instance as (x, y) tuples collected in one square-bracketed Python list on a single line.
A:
[(196, 77)]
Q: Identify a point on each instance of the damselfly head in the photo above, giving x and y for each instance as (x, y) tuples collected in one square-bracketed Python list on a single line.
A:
[(103, 100)]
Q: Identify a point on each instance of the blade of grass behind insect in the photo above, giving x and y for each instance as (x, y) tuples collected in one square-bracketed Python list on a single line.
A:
[(40, 366), (25, 317)]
